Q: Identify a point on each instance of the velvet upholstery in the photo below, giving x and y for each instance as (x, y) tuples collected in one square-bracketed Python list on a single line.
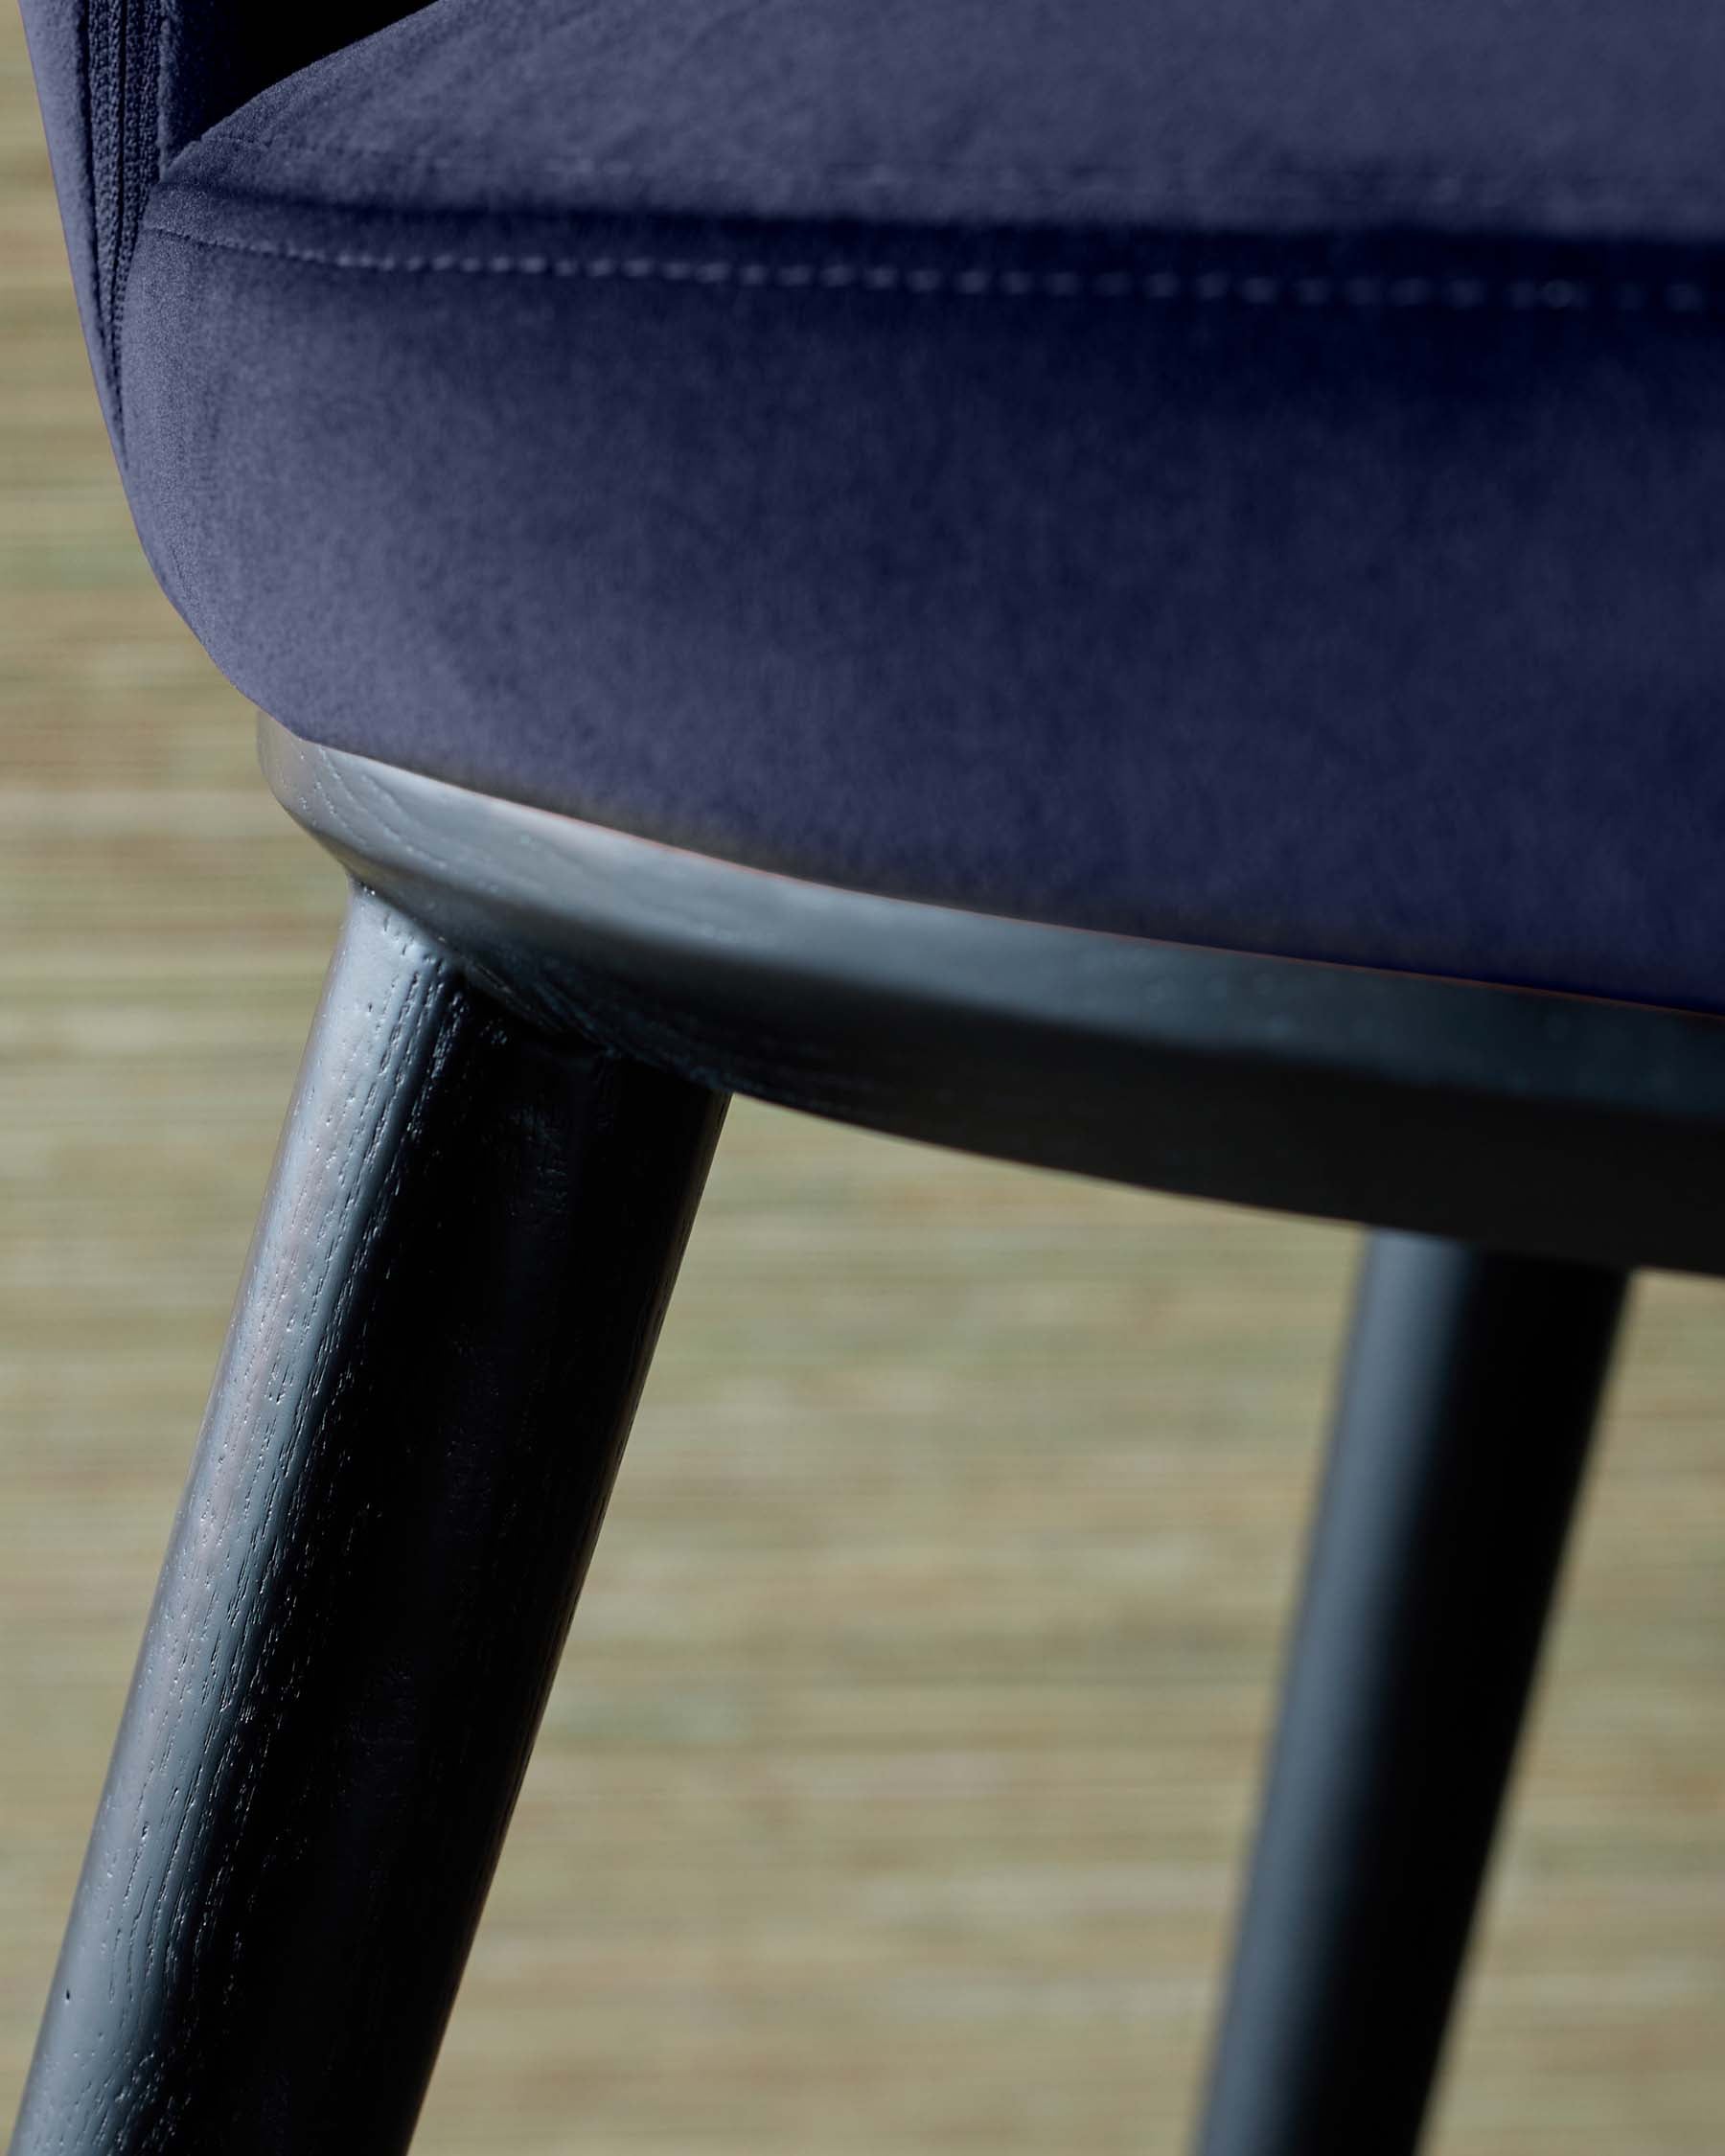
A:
[(1205, 467), (125, 83)]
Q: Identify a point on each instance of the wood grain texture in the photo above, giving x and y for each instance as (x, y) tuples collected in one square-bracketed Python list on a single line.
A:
[(1467, 1411), (889, 1799), (444, 1328)]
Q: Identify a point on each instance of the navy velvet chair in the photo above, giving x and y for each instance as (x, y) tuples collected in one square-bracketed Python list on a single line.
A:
[(1136, 587)]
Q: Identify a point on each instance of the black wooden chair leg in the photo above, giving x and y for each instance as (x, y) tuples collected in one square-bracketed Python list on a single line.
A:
[(1470, 1393), (445, 1322)]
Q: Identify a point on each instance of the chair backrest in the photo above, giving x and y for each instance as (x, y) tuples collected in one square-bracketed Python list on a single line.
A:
[(125, 83)]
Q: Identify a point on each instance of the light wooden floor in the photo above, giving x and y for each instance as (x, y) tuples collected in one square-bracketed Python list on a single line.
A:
[(890, 1796)]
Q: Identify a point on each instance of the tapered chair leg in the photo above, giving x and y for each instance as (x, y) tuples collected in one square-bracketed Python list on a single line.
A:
[(1470, 1393), (448, 1314)]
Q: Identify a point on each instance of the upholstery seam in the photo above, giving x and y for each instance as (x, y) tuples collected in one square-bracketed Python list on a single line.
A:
[(86, 112), (1366, 293), (119, 18), (139, 123), (164, 17)]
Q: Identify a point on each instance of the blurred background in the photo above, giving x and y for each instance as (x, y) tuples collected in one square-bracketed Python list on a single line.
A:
[(891, 1795)]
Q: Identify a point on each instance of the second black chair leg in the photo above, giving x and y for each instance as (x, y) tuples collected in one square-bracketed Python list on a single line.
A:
[(1471, 1391), (445, 1322)]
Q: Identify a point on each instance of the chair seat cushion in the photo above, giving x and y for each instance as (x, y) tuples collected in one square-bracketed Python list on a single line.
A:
[(1206, 469)]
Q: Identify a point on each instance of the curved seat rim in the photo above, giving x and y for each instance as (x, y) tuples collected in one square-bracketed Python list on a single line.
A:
[(1520, 1119)]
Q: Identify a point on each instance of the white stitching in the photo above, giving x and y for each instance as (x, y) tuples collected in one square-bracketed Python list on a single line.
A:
[(1459, 294)]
